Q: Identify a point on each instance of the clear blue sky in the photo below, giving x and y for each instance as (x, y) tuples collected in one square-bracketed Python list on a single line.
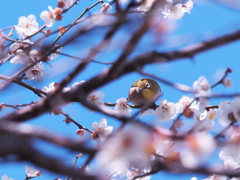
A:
[(206, 20)]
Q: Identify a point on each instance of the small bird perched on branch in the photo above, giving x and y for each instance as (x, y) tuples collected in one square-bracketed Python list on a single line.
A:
[(143, 91)]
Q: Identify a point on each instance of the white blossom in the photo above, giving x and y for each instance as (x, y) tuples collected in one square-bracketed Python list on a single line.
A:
[(230, 152), (20, 57), (176, 11), (122, 107), (203, 125), (193, 178), (96, 97), (229, 112), (65, 3), (235, 105), (51, 89), (185, 101), (212, 114), (145, 5), (216, 177), (163, 146), (188, 5), (5, 177), (202, 87), (36, 72), (105, 8), (227, 82), (198, 146), (26, 26), (123, 149), (34, 54), (31, 172), (49, 17), (148, 112), (202, 103), (166, 111), (22, 44), (101, 128)]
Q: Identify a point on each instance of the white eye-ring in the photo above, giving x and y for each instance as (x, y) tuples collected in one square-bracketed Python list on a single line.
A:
[(147, 85)]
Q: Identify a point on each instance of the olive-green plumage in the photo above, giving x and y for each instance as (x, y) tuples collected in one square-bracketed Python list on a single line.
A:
[(144, 90)]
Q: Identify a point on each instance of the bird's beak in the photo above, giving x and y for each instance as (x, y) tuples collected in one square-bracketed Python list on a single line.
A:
[(141, 90)]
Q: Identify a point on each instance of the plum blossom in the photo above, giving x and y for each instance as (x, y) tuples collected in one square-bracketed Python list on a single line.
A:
[(166, 111), (31, 172), (49, 17), (205, 120), (176, 11), (230, 152), (147, 112), (225, 113), (217, 177), (182, 106), (210, 115), (162, 145), (37, 55), (5, 177), (193, 178), (125, 148), (26, 26), (60, 101), (203, 126), (101, 128), (185, 101), (80, 132), (96, 97), (36, 72), (227, 83), (105, 8), (145, 5), (122, 107), (229, 112), (51, 89), (64, 3), (24, 56), (202, 87), (235, 105), (197, 147), (21, 44), (20, 57)]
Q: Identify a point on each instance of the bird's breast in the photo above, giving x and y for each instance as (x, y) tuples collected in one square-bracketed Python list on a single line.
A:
[(135, 96)]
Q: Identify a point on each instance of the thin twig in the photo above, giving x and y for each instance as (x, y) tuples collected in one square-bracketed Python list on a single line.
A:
[(73, 24), (221, 80), (76, 123)]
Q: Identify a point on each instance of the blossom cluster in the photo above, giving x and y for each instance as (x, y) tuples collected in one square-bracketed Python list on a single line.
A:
[(171, 10), (133, 149), (23, 51), (31, 172)]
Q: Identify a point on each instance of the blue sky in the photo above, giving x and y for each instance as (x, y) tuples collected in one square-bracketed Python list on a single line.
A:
[(206, 21)]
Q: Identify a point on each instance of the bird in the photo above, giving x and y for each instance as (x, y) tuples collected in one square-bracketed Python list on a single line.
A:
[(144, 90)]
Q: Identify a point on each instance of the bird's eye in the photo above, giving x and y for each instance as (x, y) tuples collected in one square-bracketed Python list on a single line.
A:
[(147, 85)]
